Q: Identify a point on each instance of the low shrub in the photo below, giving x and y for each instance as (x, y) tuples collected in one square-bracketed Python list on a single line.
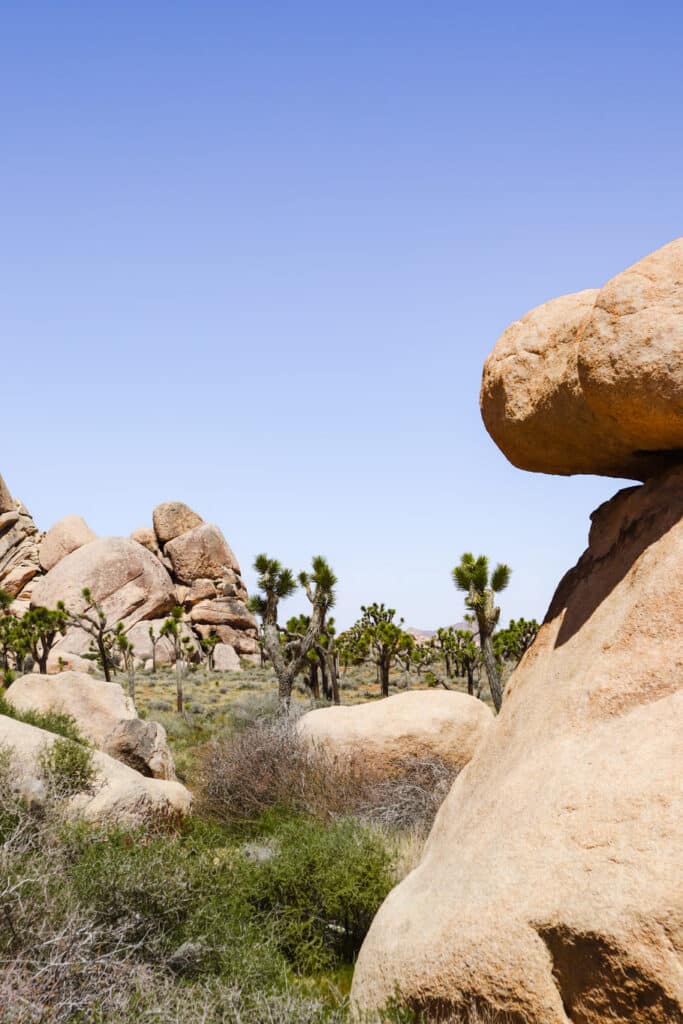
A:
[(67, 767)]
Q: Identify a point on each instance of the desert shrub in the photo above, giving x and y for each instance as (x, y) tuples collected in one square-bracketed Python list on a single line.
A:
[(320, 888), (267, 765), (67, 766), (52, 721)]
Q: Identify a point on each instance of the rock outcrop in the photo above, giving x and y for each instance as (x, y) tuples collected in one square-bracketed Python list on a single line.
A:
[(19, 544), (104, 714), (119, 794), (593, 382), (551, 888), (382, 735), (67, 535), (137, 580)]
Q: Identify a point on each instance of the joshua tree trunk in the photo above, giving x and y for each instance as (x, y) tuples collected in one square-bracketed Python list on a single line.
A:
[(470, 679), (384, 676), (334, 677), (492, 671)]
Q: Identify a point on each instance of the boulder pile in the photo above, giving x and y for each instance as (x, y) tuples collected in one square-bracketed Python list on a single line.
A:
[(550, 889), (181, 560)]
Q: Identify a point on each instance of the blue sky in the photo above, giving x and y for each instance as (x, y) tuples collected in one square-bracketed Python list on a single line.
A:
[(253, 257)]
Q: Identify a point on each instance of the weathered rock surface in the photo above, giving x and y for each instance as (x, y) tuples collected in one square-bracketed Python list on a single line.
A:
[(146, 536), (95, 705), (245, 642), (120, 794), (226, 659), (173, 518), (6, 501), (550, 887), (67, 535), (125, 579), (383, 734), (201, 553), (593, 382), (223, 611), (19, 540), (141, 745)]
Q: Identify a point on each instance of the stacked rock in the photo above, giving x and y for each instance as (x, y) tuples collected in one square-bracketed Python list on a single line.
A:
[(181, 560)]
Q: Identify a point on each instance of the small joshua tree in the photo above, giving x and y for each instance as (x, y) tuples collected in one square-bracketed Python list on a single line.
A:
[(208, 645), (172, 628), (277, 583), (127, 652), (154, 640), (93, 620), (39, 629), (473, 577)]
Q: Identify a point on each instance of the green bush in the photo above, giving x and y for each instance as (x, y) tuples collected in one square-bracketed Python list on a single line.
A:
[(68, 766), (320, 890)]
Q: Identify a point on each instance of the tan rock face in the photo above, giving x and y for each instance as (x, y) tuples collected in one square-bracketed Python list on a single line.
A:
[(593, 382), (67, 535), (95, 705), (201, 553), (244, 641), (173, 518), (226, 659), (146, 536), (550, 887), (225, 611), (384, 733), (6, 501), (124, 578), (142, 642), (120, 794)]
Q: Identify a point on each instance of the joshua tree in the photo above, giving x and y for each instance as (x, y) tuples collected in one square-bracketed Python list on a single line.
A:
[(154, 639), (376, 638), (321, 661), (39, 629), (472, 576), (127, 652), (172, 628), (277, 583), (93, 620), (208, 645), (511, 644)]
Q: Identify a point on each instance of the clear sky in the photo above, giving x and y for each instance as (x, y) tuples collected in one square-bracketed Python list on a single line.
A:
[(253, 256)]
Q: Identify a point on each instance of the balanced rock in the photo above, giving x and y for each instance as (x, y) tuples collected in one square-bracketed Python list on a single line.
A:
[(124, 578), (382, 735), (593, 382), (173, 518), (119, 794), (201, 553), (67, 535), (550, 889)]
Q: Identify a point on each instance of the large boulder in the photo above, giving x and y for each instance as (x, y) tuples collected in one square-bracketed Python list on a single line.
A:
[(224, 611), (95, 705), (226, 659), (19, 542), (120, 795), (104, 714), (124, 578), (173, 518), (201, 553), (550, 887), (143, 746), (67, 535), (384, 734), (593, 382)]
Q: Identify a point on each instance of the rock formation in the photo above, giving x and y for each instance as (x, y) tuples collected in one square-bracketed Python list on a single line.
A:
[(119, 794), (593, 382), (382, 734), (551, 887), (137, 580), (104, 715)]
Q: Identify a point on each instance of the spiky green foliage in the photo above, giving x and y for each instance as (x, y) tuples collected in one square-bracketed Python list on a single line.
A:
[(472, 576), (39, 629), (377, 639), (512, 643)]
